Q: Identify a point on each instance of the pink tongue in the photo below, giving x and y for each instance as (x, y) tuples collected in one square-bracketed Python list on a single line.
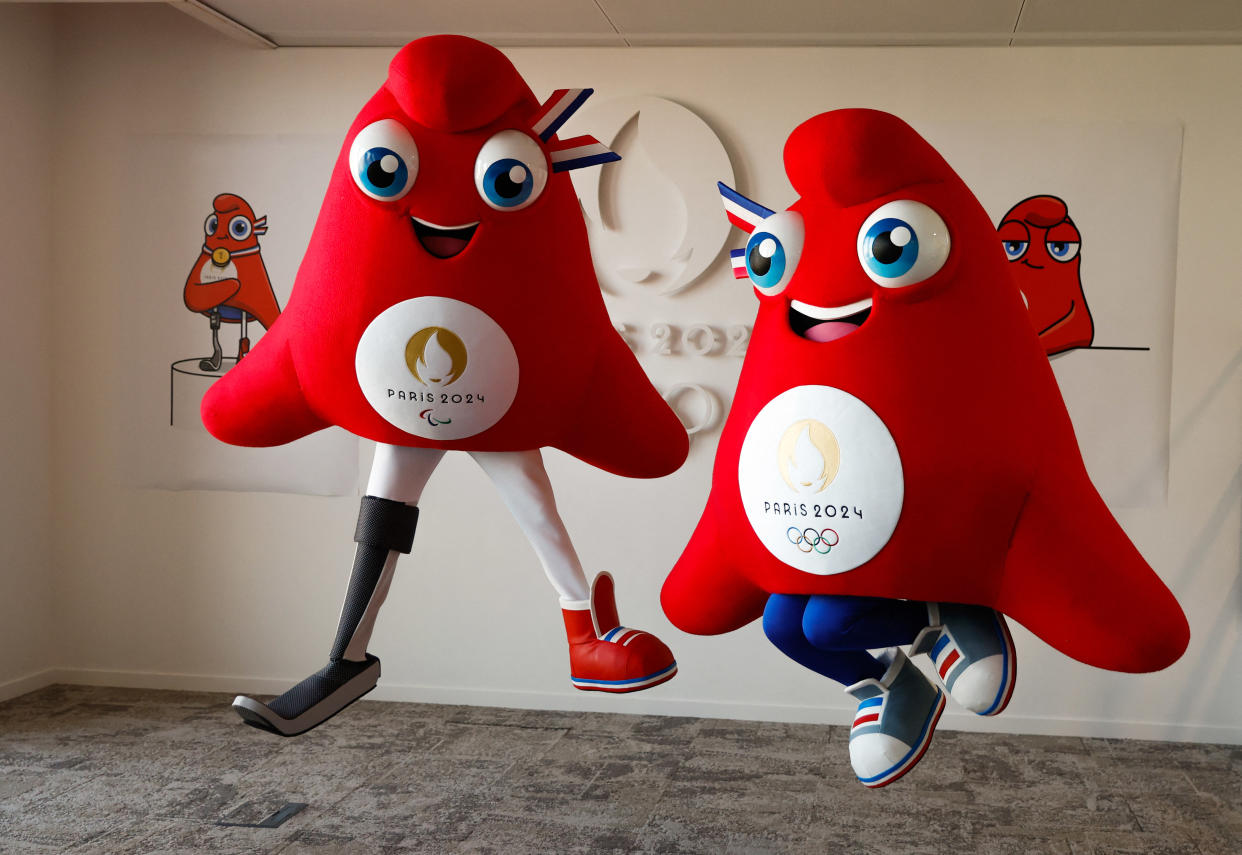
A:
[(830, 330), (442, 246)]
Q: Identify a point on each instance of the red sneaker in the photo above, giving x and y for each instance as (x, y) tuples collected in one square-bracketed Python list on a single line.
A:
[(605, 656)]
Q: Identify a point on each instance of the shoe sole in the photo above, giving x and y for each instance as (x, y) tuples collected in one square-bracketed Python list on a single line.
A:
[(259, 715), (621, 686), (898, 771)]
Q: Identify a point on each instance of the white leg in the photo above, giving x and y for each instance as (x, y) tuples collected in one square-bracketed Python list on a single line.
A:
[(526, 490), (399, 474)]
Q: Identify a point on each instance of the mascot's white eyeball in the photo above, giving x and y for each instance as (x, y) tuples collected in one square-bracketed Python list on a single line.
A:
[(902, 243), (510, 171), (773, 251), (383, 160)]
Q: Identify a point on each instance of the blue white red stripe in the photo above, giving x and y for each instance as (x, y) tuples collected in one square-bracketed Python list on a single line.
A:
[(916, 752), (868, 712), (580, 151), (737, 258), (744, 213), (947, 658), (625, 685), (555, 111), (621, 635)]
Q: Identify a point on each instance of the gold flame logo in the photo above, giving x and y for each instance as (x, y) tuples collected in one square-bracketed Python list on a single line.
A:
[(436, 356), (808, 456)]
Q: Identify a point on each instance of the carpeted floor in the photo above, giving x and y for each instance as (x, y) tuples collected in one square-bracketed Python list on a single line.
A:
[(121, 770)]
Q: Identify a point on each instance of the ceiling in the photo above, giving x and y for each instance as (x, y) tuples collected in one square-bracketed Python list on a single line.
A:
[(290, 23)]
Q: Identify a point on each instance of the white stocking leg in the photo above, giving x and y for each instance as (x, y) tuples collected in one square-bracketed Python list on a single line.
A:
[(523, 484)]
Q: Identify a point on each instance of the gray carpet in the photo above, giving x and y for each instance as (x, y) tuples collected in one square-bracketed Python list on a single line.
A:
[(120, 770)]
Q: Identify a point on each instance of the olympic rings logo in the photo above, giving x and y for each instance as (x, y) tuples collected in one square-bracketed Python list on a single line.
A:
[(810, 540)]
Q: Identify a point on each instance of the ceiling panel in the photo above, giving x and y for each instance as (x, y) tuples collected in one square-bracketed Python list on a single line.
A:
[(816, 21), (1120, 17), (395, 22)]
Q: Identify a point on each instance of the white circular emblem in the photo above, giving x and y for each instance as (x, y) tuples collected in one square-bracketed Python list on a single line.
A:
[(437, 368), (820, 479)]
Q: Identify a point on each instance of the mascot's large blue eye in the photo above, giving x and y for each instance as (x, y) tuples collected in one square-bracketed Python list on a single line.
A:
[(507, 183), (773, 251), (383, 160), (1014, 249), (239, 228), (902, 243), (510, 171), (1062, 250), (765, 260), (383, 172), (890, 248)]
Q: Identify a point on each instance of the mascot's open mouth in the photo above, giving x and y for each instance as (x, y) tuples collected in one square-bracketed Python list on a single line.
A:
[(443, 241), (827, 323)]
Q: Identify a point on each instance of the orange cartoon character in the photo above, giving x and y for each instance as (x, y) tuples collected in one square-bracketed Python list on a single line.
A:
[(1042, 243), (228, 282)]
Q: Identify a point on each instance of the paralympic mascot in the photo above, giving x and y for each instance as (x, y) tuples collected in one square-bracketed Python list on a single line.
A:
[(447, 302), (898, 467)]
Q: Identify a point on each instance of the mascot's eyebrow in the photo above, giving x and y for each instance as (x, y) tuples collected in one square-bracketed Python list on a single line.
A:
[(744, 213), (575, 152)]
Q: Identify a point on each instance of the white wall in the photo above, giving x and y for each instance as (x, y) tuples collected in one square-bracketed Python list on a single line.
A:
[(241, 591), (26, 169)]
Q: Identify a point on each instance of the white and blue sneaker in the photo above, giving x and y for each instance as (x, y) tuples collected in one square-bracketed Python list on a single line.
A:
[(973, 655), (896, 717)]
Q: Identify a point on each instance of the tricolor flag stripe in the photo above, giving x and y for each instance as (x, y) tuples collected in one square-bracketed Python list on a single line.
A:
[(866, 719), (560, 105), (742, 212), (579, 152), (737, 258)]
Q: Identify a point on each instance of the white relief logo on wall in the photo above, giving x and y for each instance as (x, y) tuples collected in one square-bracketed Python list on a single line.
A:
[(655, 232)]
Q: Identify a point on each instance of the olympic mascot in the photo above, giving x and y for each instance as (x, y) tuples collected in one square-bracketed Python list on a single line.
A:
[(228, 282), (898, 466), (447, 302)]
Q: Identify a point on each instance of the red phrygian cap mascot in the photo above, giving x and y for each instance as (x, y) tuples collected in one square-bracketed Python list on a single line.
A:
[(447, 301), (1041, 243), (228, 282), (898, 466)]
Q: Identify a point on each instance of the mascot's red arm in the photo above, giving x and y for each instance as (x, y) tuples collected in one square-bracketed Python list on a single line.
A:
[(1073, 578), (708, 565), (260, 402), (205, 296), (658, 444)]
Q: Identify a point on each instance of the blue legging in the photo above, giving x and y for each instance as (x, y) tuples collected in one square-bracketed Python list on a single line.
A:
[(832, 634)]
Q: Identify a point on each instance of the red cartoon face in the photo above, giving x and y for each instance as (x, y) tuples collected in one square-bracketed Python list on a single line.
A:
[(232, 226), (1042, 243), (882, 267)]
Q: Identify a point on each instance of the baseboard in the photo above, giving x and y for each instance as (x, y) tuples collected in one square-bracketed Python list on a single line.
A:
[(659, 701), (29, 683)]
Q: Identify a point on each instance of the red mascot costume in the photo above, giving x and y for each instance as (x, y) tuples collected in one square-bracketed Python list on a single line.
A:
[(898, 466), (447, 302)]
